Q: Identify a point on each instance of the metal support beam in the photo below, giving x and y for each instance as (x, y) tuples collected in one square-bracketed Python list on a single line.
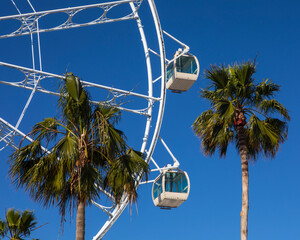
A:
[(28, 21)]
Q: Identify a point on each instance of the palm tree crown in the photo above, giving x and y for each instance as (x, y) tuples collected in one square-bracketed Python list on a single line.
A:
[(242, 112), (238, 102), (17, 224), (85, 152)]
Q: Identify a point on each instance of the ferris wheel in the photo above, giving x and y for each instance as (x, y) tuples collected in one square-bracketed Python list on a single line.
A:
[(177, 74)]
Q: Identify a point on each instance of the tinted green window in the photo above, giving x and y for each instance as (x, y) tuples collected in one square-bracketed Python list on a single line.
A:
[(157, 189), (176, 182), (170, 70), (186, 64)]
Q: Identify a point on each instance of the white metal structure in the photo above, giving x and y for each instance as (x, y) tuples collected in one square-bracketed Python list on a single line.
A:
[(183, 72), (35, 77), (171, 188)]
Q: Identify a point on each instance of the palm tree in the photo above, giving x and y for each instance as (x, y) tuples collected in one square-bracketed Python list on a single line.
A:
[(3, 229), (242, 112), (17, 225), (85, 152)]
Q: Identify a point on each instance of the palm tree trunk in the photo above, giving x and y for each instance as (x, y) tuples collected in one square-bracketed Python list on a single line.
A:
[(80, 221), (245, 182)]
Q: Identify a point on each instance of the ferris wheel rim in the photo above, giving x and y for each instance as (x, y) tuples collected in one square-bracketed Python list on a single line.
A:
[(118, 211)]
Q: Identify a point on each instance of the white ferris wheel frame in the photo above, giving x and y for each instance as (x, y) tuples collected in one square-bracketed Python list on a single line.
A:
[(30, 26)]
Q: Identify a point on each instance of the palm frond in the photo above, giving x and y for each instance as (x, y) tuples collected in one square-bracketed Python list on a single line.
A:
[(241, 81), (272, 106), (213, 132), (13, 219), (74, 103), (202, 121), (22, 160), (67, 147), (265, 89), (225, 110), (124, 173), (27, 222), (210, 95), (46, 129), (242, 73), (261, 130), (218, 76), (109, 113), (90, 178), (266, 135), (74, 87), (3, 228)]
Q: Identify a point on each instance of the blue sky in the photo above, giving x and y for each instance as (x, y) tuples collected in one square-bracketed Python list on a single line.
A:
[(218, 32)]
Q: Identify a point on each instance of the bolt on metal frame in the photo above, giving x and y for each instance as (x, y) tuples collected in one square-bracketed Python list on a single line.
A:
[(33, 77)]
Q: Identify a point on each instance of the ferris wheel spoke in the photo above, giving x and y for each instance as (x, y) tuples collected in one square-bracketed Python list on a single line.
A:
[(136, 111), (103, 208), (29, 21), (117, 96), (31, 75), (8, 132)]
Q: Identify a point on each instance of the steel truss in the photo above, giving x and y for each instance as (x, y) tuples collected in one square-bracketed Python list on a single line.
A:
[(34, 78), (29, 25), (6, 134), (28, 22)]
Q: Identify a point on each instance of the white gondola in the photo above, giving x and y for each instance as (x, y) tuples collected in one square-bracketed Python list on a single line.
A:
[(170, 189), (182, 73)]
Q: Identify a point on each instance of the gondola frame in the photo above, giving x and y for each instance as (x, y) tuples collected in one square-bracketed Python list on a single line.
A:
[(170, 199), (180, 81)]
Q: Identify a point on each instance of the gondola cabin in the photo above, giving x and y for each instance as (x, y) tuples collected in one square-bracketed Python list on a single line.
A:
[(170, 189), (182, 73)]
